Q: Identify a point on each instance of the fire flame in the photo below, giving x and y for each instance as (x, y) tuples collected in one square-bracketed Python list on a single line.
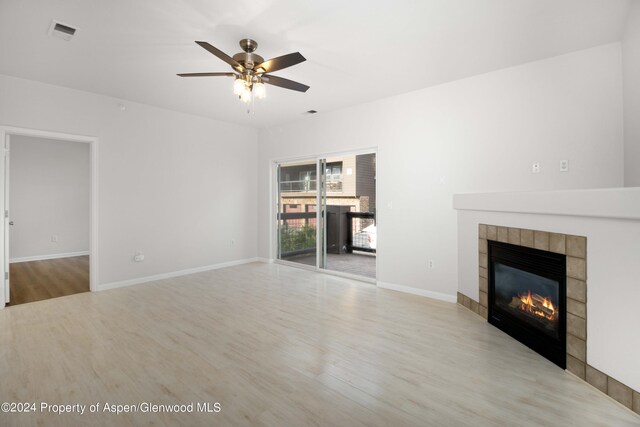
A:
[(530, 306), (527, 300), (547, 304)]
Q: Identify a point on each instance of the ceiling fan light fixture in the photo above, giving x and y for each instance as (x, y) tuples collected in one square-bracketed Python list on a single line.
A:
[(260, 90), (246, 94), (238, 86)]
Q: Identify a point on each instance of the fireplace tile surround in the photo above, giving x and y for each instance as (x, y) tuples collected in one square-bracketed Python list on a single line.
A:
[(575, 249)]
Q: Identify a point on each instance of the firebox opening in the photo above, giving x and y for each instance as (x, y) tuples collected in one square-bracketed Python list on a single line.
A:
[(527, 297)]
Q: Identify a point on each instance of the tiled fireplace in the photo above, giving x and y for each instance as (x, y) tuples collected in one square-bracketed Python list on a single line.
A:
[(550, 312), (575, 250)]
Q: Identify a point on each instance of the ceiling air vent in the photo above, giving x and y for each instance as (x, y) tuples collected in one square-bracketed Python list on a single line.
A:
[(60, 30)]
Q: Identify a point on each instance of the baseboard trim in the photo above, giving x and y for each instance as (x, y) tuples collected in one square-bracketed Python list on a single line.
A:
[(45, 257), (265, 260), (145, 279), (416, 291)]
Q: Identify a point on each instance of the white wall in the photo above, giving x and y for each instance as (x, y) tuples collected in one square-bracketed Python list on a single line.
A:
[(631, 71), (472, 135), (49, 195), (613, 342), (177, 187)]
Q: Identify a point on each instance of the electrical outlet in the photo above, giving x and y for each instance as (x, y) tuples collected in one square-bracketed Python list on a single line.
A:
[(54, 238), (430, 263), (138, 257), (564, 165), (535, 167)]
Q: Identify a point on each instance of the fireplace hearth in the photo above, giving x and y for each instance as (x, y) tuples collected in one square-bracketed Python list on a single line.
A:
[(526, 297)]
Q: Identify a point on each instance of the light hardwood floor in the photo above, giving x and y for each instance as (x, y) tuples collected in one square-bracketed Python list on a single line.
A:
[(39, 280), (281, 346)]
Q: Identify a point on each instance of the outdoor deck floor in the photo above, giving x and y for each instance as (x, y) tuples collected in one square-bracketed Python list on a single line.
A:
[(361, 264)]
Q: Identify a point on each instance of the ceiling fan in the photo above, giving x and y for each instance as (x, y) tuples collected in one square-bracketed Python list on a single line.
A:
[(251, 71)]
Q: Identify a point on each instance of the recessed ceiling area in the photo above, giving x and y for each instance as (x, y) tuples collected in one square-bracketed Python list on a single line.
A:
[(357, 51)]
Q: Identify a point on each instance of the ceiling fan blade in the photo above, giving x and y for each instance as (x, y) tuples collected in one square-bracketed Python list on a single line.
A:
[(220, 54), (280, 62), (285, 83), (206, 74)]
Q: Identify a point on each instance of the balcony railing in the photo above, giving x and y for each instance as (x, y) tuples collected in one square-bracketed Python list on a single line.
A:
[(302, 186), (334, 184), (361, 236), (298, 233)]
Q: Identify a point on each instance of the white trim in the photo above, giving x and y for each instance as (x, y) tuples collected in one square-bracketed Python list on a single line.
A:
[(321, 211), (7, 221), (273, 233), (12, 130), (416, 291), (318, 156), (264, 260), (138, 280), (45, 257), (93, 215), (617, 203)]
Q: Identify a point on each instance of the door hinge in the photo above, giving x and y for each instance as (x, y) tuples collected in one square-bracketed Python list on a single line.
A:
[(6, 214), (6, 275)]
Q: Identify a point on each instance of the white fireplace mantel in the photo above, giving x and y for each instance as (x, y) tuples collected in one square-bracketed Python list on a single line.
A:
[(618, 203)]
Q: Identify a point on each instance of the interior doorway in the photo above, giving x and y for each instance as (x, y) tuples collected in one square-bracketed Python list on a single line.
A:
[(327, 213), (49, 200)]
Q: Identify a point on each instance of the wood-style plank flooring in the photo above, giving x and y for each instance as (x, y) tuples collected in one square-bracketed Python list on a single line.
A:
[(358, 263), (280, 346), (39, 280)]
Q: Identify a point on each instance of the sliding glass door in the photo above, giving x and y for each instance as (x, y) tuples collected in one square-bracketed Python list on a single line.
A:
[(298, 213), (327, 213), (350, 213)]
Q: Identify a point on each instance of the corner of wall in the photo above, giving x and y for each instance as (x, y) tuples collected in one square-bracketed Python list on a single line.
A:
[(631, 96)]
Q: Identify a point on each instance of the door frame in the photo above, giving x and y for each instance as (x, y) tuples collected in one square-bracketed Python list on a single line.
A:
[(7, 132), (273, 212)]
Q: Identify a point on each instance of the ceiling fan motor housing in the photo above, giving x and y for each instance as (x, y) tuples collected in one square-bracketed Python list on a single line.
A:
[(248, 59)]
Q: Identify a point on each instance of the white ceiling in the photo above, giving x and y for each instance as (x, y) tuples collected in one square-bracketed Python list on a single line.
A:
[(357, 50)]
